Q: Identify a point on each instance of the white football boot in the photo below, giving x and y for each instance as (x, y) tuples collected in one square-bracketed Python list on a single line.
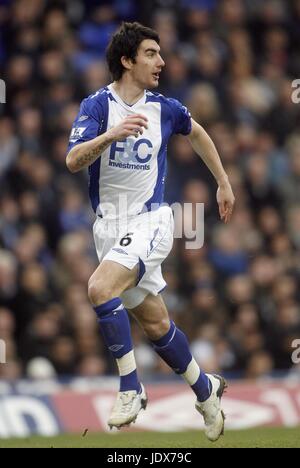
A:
[(127, 407), (210, 409)]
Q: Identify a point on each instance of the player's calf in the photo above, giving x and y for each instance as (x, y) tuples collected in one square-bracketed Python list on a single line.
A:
[(115, 329)]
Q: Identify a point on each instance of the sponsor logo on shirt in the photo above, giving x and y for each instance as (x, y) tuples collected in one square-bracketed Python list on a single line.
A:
[(131, 154)]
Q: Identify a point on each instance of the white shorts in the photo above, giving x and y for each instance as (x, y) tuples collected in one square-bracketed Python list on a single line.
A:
[(146, 240)]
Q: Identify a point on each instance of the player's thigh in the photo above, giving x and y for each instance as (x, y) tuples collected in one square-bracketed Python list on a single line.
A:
[(113, 278), (153, 316)]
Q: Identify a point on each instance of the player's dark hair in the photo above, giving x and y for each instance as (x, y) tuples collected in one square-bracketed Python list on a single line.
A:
[(125, 42)]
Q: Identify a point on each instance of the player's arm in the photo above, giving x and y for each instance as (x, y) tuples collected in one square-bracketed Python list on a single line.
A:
[(84, 154), (205, 148)]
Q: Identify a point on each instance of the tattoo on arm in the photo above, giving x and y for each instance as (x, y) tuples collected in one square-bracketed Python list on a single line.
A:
[(90, 156)]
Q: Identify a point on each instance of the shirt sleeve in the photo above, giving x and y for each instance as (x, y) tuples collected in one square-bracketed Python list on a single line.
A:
[(87, 124), (181, 117)]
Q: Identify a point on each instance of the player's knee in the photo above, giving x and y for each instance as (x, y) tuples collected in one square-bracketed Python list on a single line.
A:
[(158, 329), (99, 292)]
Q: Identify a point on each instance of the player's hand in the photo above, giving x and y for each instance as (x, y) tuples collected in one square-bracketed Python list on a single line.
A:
[(225, 199), (132, 125)]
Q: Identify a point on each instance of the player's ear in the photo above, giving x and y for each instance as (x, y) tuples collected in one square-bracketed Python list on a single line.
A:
[(126, 62)]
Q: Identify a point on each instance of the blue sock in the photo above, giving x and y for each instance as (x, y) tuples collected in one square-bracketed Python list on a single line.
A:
[(174, 349), (115, 329)]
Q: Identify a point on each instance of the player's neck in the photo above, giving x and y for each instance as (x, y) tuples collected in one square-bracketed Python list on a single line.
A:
[(128, 91)]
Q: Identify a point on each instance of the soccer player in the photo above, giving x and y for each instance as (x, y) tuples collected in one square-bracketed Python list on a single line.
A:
[(121, 134)]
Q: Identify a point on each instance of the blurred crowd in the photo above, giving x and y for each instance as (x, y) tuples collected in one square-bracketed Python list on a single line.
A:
[(232, 62)]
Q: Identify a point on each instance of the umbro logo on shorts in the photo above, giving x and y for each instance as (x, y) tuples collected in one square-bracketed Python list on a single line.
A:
[(120, 251)]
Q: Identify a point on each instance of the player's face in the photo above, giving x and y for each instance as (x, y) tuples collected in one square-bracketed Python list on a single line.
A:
[(148, 64)]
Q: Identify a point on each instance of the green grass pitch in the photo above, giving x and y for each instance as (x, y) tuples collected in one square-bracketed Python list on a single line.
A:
[(253, 438)]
